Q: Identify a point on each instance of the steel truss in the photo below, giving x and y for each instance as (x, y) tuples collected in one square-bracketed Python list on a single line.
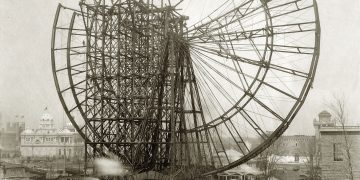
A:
[(136, 82)]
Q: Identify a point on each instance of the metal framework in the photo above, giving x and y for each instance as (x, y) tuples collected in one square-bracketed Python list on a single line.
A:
[(139, 83)]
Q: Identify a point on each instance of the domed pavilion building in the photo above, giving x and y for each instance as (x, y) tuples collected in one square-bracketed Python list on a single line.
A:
[(49, 142)]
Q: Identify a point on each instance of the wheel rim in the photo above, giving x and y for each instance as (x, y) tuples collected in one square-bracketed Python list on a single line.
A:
[(239, 98)]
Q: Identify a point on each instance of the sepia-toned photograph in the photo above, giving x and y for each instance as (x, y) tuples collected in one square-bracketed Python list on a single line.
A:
[(179, 90)]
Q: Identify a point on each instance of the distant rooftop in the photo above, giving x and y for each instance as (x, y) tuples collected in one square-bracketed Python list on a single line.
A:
[(339, 129), (324, 112)]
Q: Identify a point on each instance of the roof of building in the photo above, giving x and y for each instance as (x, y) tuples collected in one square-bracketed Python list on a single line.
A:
[(324, 112), (47, 126), (297, 137), (339, 129), (64, 131)]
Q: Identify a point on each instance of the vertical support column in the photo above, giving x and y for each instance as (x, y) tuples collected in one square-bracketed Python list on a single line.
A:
[(88, 37), (85, 155), (172, 72), (173, 99), (103, 76)]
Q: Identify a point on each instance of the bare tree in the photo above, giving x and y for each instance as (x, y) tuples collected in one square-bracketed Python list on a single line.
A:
[(338, 108), (268, 160), (312, 154)]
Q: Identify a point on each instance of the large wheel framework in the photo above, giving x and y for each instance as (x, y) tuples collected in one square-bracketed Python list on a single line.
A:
[(137, 82)]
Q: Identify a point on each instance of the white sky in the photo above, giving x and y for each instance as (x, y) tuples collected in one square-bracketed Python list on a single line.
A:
[(27, 87)]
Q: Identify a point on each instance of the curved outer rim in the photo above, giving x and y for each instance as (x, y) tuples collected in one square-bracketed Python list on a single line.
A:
[(72, 85), (282, 128), (53, 65), (57, 85)]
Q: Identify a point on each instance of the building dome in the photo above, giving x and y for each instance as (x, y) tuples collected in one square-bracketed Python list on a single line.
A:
[(47, 121), (325, 119), (324, 113), (47, 117)]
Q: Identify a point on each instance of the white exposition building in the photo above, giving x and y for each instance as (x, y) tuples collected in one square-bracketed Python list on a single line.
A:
[(47, 141)]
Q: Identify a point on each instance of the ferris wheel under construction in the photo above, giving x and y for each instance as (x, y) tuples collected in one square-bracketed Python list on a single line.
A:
[(137, 81)]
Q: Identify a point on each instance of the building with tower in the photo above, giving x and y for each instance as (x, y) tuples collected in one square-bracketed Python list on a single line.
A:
[(337, 148), (49, 142), (10, 139)]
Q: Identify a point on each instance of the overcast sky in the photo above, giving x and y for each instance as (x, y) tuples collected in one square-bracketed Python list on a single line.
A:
[(26, 82)]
